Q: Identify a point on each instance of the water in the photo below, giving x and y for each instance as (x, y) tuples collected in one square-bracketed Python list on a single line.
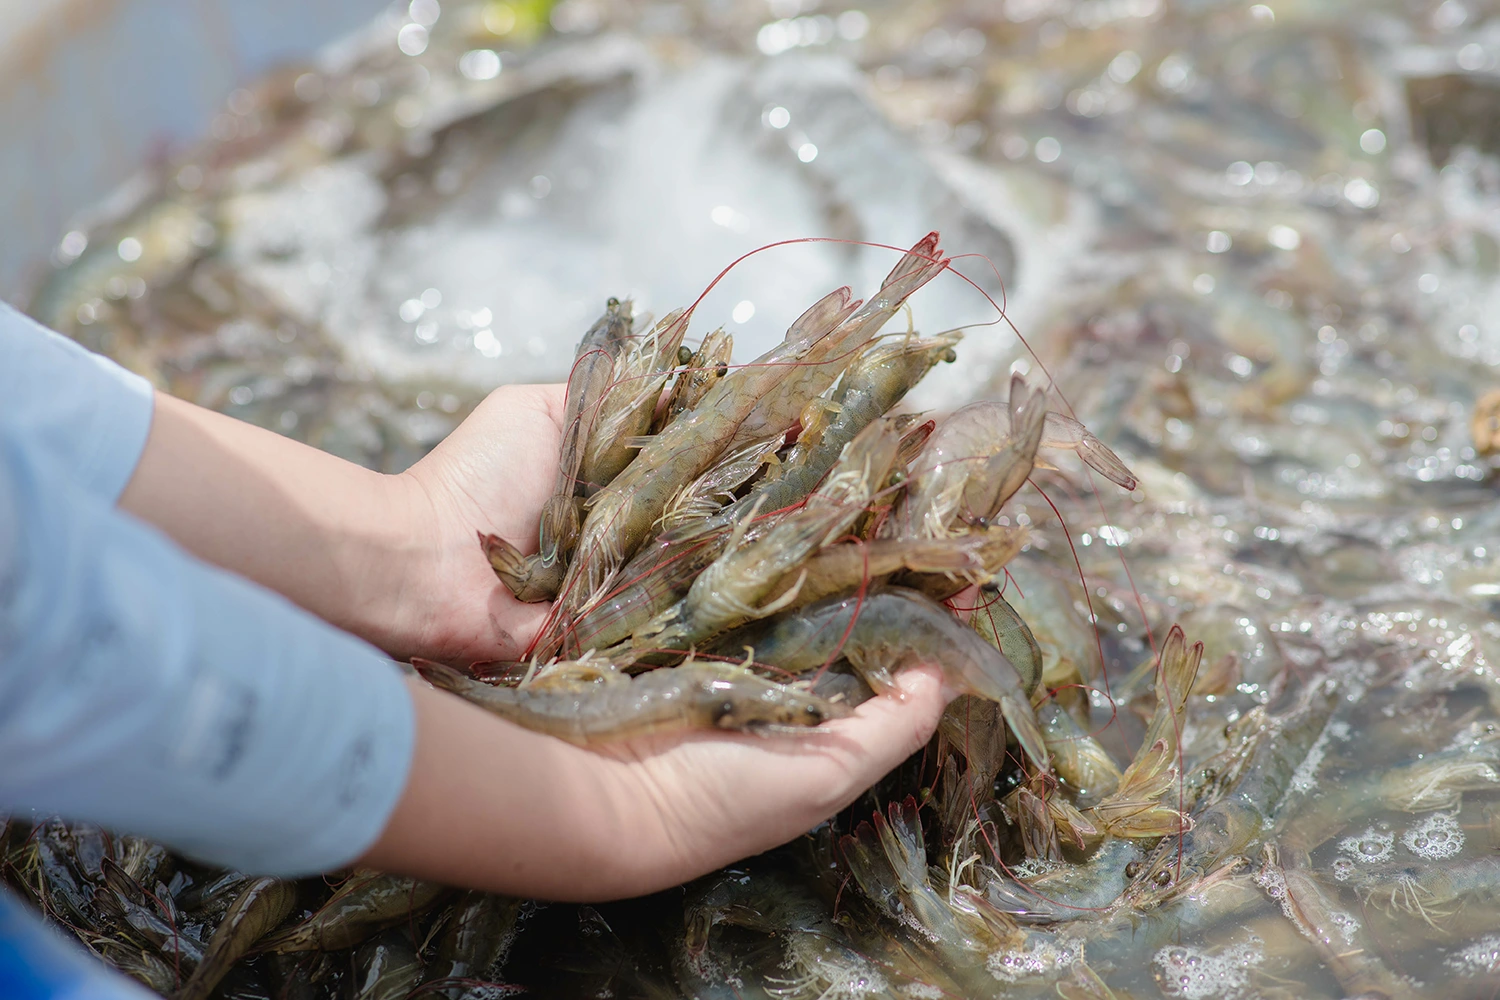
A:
[(1255, 247)]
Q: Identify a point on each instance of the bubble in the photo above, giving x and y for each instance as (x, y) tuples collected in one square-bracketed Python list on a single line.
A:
[(1478, 959), (1436, 837), (1199, 975), (1369, 847)]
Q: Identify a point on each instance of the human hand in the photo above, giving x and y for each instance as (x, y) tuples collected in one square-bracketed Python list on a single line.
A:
[(492, 474), (492, 806)]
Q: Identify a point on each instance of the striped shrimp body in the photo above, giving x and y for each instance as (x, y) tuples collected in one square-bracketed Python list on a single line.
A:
[(884, 631), (738, 408), (661, 571), (694, 695)]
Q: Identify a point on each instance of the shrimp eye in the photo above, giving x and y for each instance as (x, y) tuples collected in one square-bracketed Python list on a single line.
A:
[(950, 355), (1163, 878), (722, 369), (724, 714), (1132, 869), (684, 355)]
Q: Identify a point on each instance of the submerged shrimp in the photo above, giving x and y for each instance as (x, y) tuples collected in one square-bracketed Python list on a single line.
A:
[(693, 695)]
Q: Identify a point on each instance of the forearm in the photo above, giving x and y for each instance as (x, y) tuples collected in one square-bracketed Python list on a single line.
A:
[(493, 806), (327, 534)]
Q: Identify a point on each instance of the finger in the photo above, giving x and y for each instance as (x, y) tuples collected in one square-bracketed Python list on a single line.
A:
[(888, 729)]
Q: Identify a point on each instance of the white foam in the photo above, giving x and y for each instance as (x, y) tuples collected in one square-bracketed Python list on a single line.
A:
[(1436, 837), (1197, 975), (1370, 847), (1040, 957), (1478, 959)]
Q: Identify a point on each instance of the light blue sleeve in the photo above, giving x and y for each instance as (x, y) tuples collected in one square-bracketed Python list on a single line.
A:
[(89, 414), (147, 691)]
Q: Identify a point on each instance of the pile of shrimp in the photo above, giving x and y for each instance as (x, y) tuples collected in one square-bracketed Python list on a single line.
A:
[(760, 547), (763, 546)]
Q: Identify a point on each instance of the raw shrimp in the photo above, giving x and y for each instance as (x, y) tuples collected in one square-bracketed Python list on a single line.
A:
[(877, 379), (1341, 939), (971, 465), (622, 515), (839, 569), (474, 939), (693, 695), (1243, 814), (884, 631), (369, 902), (704, 368), (628, 404), (263, 904), (729, 592), (1145, 802), (537, 577)]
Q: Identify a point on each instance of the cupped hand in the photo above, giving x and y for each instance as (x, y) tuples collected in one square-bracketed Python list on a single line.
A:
[(492, 474), (491, 806)]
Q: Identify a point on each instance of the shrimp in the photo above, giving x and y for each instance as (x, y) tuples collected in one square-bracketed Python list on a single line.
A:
[(878, 379), (693, 695), (884, 631), (972, 464), (1078, 758), (537, 577), (364, 905), (1434, 781), (477, 935), (704, 368), (838, 569), (888, 858), (626, 408), (1143, 804), (820, 959), (820, 362), (1244, 813), (1008, 632), (260, 906), (1341, 939), (386, 967), (621, 516), (726, 594)]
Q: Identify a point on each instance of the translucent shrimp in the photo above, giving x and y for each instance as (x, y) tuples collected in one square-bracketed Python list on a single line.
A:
[(971, 465), (622, 516), (537, 577), (885, 631), (1341, 938), (367, 903), (1243, 814), (965, 559), (879, 377), (260, 906), (1144, 803), (694, 695), (820, 960), (1078, 758), (704, 368), (731, 590), (626, 407)]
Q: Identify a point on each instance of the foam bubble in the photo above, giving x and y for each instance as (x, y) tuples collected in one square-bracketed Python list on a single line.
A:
[(1478, 959), (1197, 975), (1436, 837), (1040, 957), (1369, 847)]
